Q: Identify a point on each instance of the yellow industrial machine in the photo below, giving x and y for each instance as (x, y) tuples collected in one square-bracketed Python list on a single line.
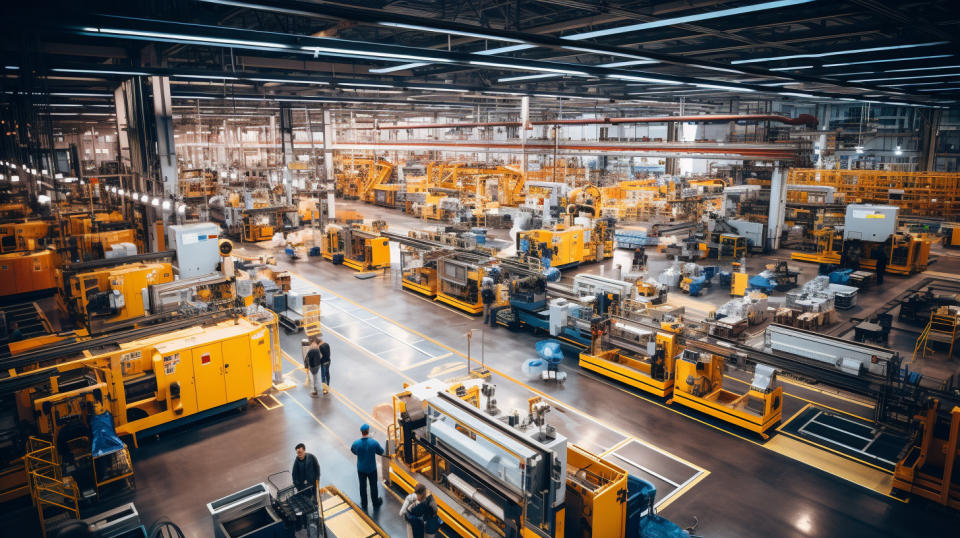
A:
[(637, 356), (461, 277), (929, 467), (501, 474), (28, 272), (699, 386), (356, 246), (94, 246), (149, 384), (951, 235), (256, 228), (728, 246), (568, 246), (115, 294), (23, 236)]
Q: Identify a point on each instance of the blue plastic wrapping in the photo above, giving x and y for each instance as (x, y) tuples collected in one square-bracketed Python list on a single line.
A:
[(105, 440), (552, 274), (550, 351), (658, 527)]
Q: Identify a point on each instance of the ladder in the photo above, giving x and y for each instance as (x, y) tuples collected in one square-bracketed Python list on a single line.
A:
[(56, 498), (311, 320)]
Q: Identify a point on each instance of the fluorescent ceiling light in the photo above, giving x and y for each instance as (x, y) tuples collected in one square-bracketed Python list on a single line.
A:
[(527, 77), (922, 68), (505, 93), (795, 68), (11, 67), (99, 72), (772, 84), (850, 74), (940, 89), (438, 89), (629, 63), (523, 67), (795, 94), (566, 96), (910, 59), (633, 78), (618, 54), (210, 77), (289, 81), (390, 55), (393, 68), (906, 78), (838, 52), (687, 18), (66, 94), (359, 85), (454, 32), (192, 97), (712, 68), (184, 37), (679, 90), (501, 50), (722, 87), (918, 83)]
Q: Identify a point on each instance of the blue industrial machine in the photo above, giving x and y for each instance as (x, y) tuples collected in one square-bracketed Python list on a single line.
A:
[(642, 518)]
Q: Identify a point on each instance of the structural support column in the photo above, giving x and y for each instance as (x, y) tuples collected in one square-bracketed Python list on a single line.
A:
[(930, 126), (670, 164), (328, 172), (286, 143), (166, 150), (778, 200)]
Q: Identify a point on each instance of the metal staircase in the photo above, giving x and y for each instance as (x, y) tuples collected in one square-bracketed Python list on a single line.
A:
[(57, 499)]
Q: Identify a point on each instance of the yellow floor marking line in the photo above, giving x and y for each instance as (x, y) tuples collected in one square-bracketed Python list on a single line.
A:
[(948, 276), (447, 368), (621, 444), (783, 424), (320, 422), (862, 475), (686, 487), (818, 404), (358, 410), (502, 374), (371, 355), (443, 306), (427, 361), (278, 403)]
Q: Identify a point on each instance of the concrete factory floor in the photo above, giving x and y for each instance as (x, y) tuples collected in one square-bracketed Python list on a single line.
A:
[(734, 483)]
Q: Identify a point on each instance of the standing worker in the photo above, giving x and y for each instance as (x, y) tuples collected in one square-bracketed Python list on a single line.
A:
[(306, 470), (324, 349), (312, 362), (488, 296), (366, 449), (881, 265), (15, 334), (639, 258)]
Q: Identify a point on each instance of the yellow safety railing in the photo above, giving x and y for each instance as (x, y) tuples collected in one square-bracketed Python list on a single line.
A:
[(48, 489), (921, 343)]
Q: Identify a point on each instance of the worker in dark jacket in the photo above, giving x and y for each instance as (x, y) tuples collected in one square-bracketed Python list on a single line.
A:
[(15, 333), (488, 296), (324, 349), (881, 265), (367, 449), (312, 362), (423, 516), (306, 469)]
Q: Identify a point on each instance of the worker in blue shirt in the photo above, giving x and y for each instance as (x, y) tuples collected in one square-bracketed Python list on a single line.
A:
[(366, 449)]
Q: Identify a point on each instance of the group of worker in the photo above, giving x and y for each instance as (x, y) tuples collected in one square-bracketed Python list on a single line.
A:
[(419, 508)]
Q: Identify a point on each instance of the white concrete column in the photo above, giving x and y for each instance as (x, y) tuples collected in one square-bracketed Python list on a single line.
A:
[(778, 200)]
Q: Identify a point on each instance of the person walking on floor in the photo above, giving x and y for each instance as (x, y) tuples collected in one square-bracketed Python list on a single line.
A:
[(408, 502), (367, 449), (423, 516), (488, 296), (312, 362), (324, 349)]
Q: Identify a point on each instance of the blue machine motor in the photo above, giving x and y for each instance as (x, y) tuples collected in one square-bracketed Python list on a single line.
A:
[(480, 234), (642, 520), (550, 351), (761, 283), (552, 274), (314, 252), (840, 276)]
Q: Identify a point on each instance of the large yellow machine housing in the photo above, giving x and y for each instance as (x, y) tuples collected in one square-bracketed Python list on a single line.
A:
[(568, 246), (22, 236), (128, 281), (150, 383), (653, 373), (356, 246)]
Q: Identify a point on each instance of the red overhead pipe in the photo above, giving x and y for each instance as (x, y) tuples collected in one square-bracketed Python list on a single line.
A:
[(802, 119)]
